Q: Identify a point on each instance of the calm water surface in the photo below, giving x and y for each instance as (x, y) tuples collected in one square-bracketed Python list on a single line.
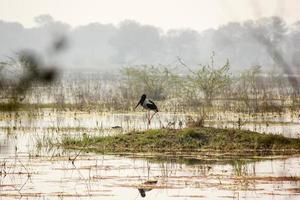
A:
[(27, 172)]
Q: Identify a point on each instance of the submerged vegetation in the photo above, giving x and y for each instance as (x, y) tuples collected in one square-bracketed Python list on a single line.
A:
[(225, 141)]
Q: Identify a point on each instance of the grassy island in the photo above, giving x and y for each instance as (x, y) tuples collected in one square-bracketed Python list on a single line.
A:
[(203, 139)]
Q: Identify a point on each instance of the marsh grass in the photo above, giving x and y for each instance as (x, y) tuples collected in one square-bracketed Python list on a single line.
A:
[(223, 141)]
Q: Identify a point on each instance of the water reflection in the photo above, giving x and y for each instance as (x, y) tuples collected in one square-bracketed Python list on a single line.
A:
[(146, 187), (114, 177)]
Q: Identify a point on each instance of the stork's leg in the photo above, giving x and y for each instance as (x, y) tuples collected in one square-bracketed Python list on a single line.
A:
[(147, 120), (149, 117), (152, 116)]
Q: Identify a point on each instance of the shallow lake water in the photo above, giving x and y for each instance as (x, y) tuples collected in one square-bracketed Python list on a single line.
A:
[(28, 172)]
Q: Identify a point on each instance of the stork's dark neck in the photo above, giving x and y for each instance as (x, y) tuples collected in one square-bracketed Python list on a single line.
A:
[(143, 98)]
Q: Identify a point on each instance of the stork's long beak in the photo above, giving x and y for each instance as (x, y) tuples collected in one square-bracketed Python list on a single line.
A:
[(137, 104)]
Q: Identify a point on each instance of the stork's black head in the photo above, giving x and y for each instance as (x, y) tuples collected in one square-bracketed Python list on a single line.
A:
[(143, 97)]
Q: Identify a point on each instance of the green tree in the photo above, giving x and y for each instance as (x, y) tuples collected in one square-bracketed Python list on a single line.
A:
[(210, 80)]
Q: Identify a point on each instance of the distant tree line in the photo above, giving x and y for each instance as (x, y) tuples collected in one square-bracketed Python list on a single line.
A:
[(266, 42)]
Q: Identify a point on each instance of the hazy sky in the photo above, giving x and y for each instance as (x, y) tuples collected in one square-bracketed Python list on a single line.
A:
[(195, 14)]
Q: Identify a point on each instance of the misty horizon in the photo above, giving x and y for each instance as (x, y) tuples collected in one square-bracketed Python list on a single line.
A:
[(97, 46)]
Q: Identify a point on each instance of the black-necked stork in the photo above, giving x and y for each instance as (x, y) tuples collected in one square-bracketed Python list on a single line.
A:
[(148, 105)]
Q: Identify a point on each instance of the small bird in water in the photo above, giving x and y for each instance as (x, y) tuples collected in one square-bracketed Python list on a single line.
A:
[(116, 127), (148, 105)]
